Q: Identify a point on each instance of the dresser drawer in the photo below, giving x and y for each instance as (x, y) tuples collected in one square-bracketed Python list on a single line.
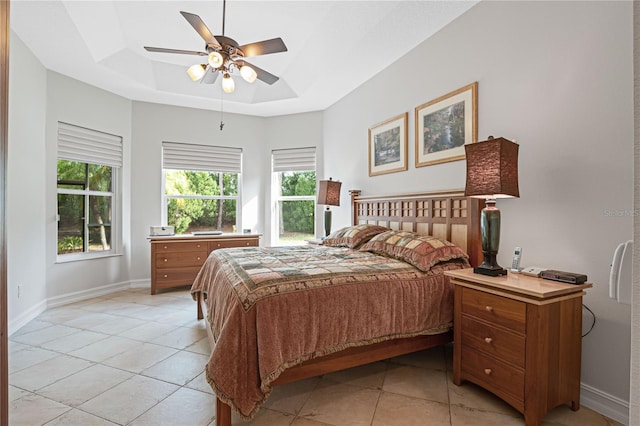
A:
[(248, 242), (171, 247), (493, 374), (172, 277), (497, 342), (181, 259), (495, 309)]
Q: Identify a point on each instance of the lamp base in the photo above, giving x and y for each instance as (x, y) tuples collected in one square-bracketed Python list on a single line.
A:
[(327, 222), (493, 272)]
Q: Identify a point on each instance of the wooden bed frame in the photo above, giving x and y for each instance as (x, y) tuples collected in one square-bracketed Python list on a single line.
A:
[(447, 215)]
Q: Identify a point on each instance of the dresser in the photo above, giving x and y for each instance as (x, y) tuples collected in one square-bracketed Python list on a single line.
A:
[(519, 337), (177, 259)]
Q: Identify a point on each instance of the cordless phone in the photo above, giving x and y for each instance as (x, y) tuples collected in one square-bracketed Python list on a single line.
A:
[(517, 254)]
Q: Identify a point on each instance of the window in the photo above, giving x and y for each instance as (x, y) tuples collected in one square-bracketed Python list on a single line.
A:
[(201, 187), (294, 195), (88, 166)]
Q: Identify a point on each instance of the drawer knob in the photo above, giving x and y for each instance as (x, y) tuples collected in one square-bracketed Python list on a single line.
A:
[(488, 308), (165, 275), (487, 371), (165, 259), (165, 247), (198, 257), (488, 339), (198, 245), (247, 243), (218, 244)]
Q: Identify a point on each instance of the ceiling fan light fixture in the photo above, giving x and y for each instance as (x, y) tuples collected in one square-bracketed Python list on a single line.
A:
[(196, 72), (215, 59), (228, 85), (248, 73)]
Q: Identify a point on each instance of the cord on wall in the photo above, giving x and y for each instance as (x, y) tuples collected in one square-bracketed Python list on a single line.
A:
[(593, 323)]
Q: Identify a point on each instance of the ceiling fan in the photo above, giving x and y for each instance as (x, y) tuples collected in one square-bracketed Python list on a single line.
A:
[(225, 55)]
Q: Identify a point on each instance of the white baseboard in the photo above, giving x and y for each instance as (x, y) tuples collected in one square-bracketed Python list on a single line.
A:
[(77, 296), (608, 405), (24, 318), (143, 283), (68, 298)]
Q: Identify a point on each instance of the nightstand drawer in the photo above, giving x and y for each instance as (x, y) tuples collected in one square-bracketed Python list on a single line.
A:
[(495, 309), (497, 342), (493, 374), (171, 247), (176, 260)]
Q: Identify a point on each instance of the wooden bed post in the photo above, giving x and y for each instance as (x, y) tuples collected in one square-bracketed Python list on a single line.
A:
[(354, 209)]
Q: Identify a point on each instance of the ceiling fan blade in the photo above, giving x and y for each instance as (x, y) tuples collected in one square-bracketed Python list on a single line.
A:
[(263, 75), (183, 52), (198, 24), (210, 76), (264, 47)]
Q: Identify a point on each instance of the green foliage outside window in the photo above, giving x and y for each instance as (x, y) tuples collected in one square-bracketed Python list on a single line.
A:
[(298, 216), (202, 213), (85, 220)]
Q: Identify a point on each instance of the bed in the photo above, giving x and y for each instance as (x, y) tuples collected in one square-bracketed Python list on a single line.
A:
[(280, 315)]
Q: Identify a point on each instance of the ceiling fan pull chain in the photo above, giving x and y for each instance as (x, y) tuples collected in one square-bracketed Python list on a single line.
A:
[(221, 110)]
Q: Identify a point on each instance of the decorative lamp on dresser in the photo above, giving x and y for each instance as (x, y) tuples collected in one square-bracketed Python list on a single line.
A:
[(519, 337), (177, 259)]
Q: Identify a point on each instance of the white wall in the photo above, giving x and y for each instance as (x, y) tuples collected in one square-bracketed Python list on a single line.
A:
[(25, 183), (77, 103), (257, 136), (556, 76), (634, 397), (291, 131), (153, 124)]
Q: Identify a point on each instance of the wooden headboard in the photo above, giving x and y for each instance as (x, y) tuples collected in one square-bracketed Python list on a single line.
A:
[(448, 215)]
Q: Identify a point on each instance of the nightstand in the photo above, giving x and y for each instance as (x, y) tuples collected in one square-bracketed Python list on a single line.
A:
[(519, 337)]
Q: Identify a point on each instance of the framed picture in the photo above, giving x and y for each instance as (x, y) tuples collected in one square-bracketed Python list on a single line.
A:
[(388, 146), (444, 125)]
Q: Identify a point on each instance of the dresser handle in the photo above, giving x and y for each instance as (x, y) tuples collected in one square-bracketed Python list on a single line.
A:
[(487, 371), (165, 275), (488, 339), (198, 257), (488, 308), (165, 247), (218, 244), (198, 245), (165, 259), (247, 243)]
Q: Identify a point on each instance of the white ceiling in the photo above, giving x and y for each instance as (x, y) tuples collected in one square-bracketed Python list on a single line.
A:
[(333, 46)]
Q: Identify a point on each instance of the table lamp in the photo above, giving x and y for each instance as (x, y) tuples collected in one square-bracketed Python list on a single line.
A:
[(329, 195), (492, 172)]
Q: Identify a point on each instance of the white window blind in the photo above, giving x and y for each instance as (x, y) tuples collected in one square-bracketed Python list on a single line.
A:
[(294, 159), (206, 158), (77, 143)]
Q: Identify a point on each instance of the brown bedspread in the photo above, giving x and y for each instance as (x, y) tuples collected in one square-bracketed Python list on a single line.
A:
[(272, 308)]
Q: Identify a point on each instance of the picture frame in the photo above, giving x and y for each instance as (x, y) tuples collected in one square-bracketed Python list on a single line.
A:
[(388, 145), (444, 125)]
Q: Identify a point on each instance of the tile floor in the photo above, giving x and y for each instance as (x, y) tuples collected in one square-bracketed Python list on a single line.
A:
[(133, 359)]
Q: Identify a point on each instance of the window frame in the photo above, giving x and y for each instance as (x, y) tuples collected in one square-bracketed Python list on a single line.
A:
[(299, 160), (92, 144)]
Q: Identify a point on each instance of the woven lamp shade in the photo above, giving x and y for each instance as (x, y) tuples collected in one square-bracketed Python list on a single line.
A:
[(329, 192), (492, 169)]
